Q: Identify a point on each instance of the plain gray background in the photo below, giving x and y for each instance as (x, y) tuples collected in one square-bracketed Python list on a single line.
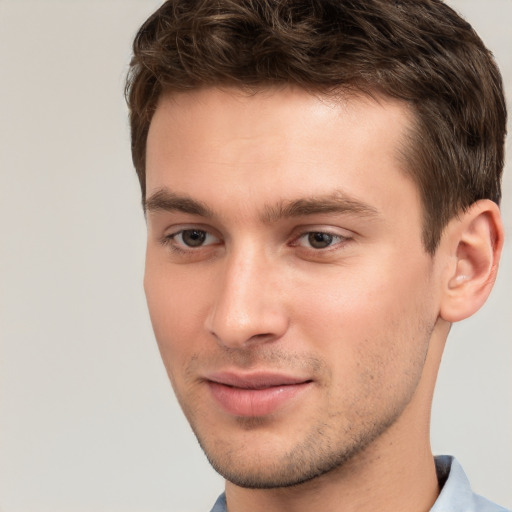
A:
[(88, 421)]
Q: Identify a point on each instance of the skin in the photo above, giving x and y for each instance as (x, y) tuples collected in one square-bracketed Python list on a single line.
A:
[(358, 318)]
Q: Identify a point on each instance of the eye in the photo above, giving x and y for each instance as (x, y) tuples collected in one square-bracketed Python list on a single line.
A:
[(192, 238), (319, 240)]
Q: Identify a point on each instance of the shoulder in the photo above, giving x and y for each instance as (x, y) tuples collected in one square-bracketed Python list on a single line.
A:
[(456, 494), (220, 504), (484, 505)]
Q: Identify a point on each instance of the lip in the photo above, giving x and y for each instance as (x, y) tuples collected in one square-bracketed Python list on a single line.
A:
[(255, 394)]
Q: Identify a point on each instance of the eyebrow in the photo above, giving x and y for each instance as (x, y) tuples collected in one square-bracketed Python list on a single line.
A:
[(334, 203), (165, 200)]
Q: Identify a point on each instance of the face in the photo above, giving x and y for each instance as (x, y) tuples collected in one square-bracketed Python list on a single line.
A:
[(288, 287)]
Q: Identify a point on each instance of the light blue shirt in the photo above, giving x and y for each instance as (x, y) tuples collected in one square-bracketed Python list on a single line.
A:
[(455, 496)]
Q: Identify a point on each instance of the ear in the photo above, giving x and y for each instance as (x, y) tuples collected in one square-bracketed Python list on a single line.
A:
[(474, 241)]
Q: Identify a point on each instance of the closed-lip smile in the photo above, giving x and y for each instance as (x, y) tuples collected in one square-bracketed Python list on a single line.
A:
[(256, 393)]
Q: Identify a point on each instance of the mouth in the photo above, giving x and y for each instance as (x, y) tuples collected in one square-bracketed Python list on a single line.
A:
[(256, 394)]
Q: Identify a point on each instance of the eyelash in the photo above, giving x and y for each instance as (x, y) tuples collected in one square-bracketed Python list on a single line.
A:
[(333, 237), (170, 241)]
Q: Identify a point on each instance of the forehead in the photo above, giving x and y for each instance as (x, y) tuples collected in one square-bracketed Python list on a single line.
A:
[(228, 145)]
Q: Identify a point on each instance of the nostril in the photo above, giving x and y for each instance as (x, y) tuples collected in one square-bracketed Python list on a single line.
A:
[(261, 336)]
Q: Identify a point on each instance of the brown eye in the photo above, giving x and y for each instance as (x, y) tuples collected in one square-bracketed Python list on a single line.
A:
[(319, 240), (190, 239), (193, 237)]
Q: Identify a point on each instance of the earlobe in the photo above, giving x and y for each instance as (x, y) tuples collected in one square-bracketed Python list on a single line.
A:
[(475, 240)]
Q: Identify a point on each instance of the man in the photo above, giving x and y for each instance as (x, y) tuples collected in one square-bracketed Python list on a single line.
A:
[(321, 182)]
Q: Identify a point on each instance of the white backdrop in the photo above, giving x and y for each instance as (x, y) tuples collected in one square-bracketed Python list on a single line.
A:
[(87, 418)]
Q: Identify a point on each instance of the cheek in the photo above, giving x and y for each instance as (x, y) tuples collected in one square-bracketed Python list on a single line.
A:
[(372, 319), (176, 312), (374, 339)]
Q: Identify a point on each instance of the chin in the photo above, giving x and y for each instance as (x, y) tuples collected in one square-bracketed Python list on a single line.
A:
[(264, 466)]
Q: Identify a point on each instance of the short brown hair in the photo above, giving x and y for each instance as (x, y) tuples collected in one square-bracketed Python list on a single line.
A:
[(419, 51)]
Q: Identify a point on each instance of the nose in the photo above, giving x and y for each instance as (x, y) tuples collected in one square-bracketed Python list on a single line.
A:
[(249, 306)]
